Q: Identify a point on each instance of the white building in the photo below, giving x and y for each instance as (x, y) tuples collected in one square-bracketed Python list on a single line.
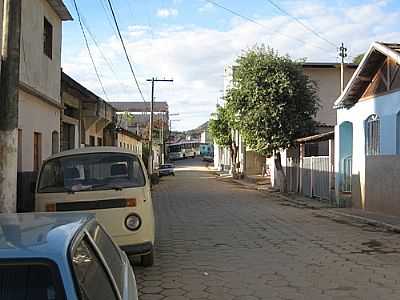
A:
[(39, 90), (368, 133)]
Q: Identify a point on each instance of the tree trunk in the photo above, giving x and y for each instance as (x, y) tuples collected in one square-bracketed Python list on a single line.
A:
[(234, 150), (281, 173)]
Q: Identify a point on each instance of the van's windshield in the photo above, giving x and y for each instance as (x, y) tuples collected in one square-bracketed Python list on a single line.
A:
[(88, 172)]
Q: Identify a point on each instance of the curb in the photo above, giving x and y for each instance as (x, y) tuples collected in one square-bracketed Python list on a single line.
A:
[(368, 221), (328, 209), (306, 204)]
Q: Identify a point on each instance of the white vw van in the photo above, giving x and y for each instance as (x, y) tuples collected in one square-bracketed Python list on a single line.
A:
[(109, 181)]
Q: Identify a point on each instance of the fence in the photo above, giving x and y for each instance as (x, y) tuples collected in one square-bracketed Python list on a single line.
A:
[(312, 179), (292, 174)]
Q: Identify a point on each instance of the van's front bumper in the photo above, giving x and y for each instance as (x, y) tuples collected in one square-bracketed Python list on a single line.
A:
[(137, 249)]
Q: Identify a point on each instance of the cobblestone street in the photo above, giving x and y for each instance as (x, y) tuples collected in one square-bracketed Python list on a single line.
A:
[(218, 240)]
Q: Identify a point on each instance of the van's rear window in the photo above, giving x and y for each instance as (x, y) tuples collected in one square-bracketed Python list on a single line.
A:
[(90, 172)]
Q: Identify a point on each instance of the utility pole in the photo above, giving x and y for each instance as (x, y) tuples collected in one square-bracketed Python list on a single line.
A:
[(10, 58), (162, 140), (343, 55), (150, 162)]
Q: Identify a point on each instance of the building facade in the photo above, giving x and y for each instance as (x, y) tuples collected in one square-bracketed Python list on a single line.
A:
[(368, 133), (129, 140), (40, 104), (86, 117)]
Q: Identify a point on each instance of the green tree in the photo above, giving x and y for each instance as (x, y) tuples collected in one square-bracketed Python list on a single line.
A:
[(275, 102), (357, 60), (221, 127)]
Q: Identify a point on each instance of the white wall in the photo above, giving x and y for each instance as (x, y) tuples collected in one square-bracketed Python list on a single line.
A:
[(222, 157), (36, 116), (36, 69), (386, 107)]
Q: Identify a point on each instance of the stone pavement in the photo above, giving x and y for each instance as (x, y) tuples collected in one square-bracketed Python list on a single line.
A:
[(219, 240), (384, 221)]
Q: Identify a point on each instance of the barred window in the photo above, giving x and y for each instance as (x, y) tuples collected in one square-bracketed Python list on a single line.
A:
[(372, 135)]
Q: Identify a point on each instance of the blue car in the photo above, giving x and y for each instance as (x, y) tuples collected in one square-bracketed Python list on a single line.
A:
[(61, 256)]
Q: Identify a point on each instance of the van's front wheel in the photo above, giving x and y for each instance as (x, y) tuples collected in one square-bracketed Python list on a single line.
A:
[(148, 259)]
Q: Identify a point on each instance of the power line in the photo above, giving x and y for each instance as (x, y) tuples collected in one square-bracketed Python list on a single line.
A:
[(126, 52), (309, 28), (104, 6), (90, 52), (260, 24), (107, 61)]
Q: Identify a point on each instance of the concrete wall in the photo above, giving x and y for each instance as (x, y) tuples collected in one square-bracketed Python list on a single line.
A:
[(37, 70), (386, 107), (382, 187), (328, 84), (36, 116), (255, 163)]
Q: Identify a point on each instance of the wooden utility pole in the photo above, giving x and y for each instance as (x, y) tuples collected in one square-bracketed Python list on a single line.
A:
[(9, 80), (343, 55), (150, 162), (162, 140)]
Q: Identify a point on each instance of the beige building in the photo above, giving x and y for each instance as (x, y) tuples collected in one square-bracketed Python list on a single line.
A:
[(86, 119), (326, 77), (128, 140), (39, 91)]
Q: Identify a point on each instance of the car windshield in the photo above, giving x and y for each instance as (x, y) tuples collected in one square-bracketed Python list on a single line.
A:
[(88, 172)]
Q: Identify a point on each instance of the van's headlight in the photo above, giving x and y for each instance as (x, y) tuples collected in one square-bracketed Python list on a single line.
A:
[(133, 222)]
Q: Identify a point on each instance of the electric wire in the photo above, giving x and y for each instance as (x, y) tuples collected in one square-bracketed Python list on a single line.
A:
[(260, 24), (124, 48), (89, 51), (106, 60), (104, 6), (307, 27)]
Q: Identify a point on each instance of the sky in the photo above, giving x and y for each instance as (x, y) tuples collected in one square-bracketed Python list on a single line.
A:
[(192, 41)]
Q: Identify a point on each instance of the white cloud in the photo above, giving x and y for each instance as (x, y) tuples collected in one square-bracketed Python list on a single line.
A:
[(167, 12), (207, 7), (195, 56)]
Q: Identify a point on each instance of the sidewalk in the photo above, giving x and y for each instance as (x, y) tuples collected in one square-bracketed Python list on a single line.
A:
[(349, 215)]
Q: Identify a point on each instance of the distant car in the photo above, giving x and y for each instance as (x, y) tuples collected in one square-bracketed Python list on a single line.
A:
[(61, 256), (208, 158), (166, 170)]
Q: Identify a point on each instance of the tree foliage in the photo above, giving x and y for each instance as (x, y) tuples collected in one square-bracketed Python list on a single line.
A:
[(357, 60), (273, 100), (220, 126)]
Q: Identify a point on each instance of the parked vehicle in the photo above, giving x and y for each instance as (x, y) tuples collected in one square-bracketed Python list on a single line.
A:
[(111, 182), (166, 170), (61, 256), (208, 158)]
